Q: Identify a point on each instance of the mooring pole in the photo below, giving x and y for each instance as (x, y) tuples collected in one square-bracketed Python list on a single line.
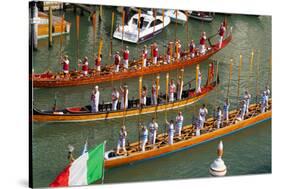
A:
[(50, 27)]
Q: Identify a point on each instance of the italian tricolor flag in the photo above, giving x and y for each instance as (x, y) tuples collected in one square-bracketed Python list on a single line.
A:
[(83, 171)]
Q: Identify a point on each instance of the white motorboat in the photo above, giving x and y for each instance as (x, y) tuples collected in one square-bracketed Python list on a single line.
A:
[(148, 28), (179, 18), (203, 16)]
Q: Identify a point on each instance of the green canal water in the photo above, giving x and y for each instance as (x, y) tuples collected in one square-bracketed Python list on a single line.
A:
[(246, 152)]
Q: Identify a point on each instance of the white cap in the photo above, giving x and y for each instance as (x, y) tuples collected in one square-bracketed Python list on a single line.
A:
[(97, 87)]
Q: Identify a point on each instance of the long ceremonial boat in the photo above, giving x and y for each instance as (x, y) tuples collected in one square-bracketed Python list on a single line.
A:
[(79, 114), (188, 138), (76, 78)]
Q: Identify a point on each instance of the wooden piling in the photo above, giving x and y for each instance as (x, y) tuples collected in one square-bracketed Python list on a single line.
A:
[(50, 27)]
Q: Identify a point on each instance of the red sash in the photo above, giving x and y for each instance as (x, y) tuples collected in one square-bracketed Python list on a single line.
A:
[(126, 55), (155, 52), (116, 59)]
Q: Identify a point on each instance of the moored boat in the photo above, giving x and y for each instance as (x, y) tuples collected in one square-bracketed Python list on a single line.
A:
[(188, 138), (76, 78), (178, 17), (202, 16)]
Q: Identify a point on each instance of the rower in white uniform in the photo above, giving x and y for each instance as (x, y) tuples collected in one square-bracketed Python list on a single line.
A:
[(117, 61), (144, 137), (226, 110), (263, 102), (122, 140), (198, 90), (154, 93), (143, 96), (95, 99), (170, 131), (179, 122), (202, 116), (126, 53), (247, 98), (172, 90), (218, 117), (153, 127), (179, 88), (267, 94), (144, 56), (115, 98), (243, 110), (124, 96)]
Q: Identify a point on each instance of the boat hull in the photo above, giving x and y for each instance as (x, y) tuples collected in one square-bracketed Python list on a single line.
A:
[(157, 152)]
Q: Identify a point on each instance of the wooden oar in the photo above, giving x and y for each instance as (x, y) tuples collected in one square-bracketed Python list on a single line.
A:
[(186, 14), (250, 69), (140, 107), (77, 37), (94, 34), (139, 15), (229, 78), (257, 76), (61, 39), (111, 33), (239, 73), (176, 26), (123, 23)]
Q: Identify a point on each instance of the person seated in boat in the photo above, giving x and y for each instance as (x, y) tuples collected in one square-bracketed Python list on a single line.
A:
[(203, 111), (202, 42), (179, 88), (178, 49), (117, 61), (179, 122), (172, 90), (126, 53), (122, 140), (98, 62), (221, 33), (192, 49), (198, 90), (263, 102), (144, 137), (170, 131), (65, 65), (143, 96), (95, 99), (226, 110), (155, 53), (169, 52), (153, 127), (144, 56), (124, 96), (115, 98), (218, 117), (85, 66), (247, 98), (154, 93)]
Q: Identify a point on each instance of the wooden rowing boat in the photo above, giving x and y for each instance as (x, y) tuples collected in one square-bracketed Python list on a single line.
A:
[(188, 138), (77, 114), (49, 79)]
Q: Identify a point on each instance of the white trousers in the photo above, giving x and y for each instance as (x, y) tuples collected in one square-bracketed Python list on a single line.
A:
[(202, 49), (171, 137), (225, 115), (171, 97), (218, 124), (168, 59), (155, 60), (179, 93), (126, 64), (192, 55), (201, 123), (143, 143), (122, 104), (114, 105), (95, 106), (121, 144), (98, 68), (220, 41), (154, 99), (85, 72), (117, 68), (143, 100), (144, 62), (152, 137), (178, 129)]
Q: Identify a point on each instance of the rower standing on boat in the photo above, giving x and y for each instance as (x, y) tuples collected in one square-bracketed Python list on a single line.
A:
[(98, 62), (179, 88), (124, 97), (85, 66), (198, 90), (243, 110), (154, 93), (122, 140), (221, 33), (65, 65), (178, 49), (144, 137), (218, 117), (263, 102), (170, 131), (192, 49), (226, 110), (143, 96), (117, 61), (179, 122), (95, 99), (202, 47), (114, 97), (267, 94), (126, 53), (144, 56), (153, 127), (247, 98), (172, 90), (202, 116), (155, 53), (169, 52)]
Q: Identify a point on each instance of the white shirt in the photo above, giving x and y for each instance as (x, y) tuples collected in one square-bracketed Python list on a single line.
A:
[(202, 113), (115, 95), (153, 127)]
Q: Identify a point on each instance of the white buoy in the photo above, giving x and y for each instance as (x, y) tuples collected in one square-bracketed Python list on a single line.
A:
[(218, 167)]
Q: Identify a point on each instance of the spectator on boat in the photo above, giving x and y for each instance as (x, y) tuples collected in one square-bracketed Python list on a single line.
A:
[(95, 99), (226, 110), (263, 102), (192, 49), (169, 52), (144, 56), (170, 131), (179, 88), (122, 140), (218, 117), (85, 66), (154, 93), (126, 53), (202, 116), (124, 96), (221, 33), (117, 61), (144, 137), (153, 127), (178, 49), (98, 62), (172, 90), (143, 96), (65, 64), (202, 47), (179, 122), (247, 98), (155, 53), (198, 90), (115, 98)]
